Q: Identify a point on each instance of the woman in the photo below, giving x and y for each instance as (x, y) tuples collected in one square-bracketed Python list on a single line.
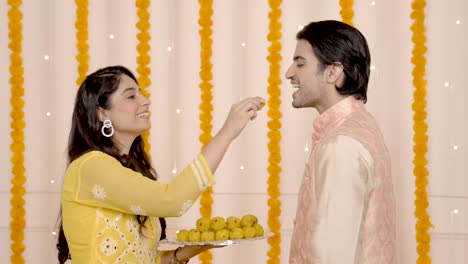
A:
[(112, 205)]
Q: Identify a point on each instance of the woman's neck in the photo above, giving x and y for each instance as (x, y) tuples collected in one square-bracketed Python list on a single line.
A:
[(123, 143)]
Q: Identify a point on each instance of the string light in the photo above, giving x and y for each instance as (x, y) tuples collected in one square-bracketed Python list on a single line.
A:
[(174, 170), (242, 167), (455, 211), (169, 48), (300, 27), (372, 67), (46, 57), (306, 148), (446, 84), (372, 3), (243, 44), (54, 233), (178, 111), (458, 22), (52, 181), (48, 114), (111, 36), (455, 147)]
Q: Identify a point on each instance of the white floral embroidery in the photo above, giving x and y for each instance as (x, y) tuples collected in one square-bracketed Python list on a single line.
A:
[(99, 192), (186, 206), (108, 246), (137, 210), (132, 226)]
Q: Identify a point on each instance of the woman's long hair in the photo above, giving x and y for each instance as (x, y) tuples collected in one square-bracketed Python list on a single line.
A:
[(85, 136)]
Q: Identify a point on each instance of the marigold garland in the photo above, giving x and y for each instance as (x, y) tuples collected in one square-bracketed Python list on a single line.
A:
[(206, 107), (17, 212), (347, 12), (274, 133), (81, 25), (420, 138), (144, 59)]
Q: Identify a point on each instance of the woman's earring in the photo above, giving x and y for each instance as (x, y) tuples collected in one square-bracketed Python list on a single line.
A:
[(107, 124)]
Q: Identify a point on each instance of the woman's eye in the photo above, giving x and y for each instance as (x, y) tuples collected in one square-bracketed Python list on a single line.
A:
[(131, 97)]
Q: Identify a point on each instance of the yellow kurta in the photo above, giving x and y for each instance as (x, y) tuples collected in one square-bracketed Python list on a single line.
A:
[(101, 199)]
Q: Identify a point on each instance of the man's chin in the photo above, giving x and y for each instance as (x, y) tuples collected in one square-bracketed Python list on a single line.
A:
[(296, 105)]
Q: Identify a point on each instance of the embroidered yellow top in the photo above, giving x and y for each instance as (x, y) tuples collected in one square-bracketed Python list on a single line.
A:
[(101, 199)]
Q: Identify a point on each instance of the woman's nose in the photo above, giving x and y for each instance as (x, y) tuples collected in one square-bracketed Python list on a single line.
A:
[(145, 100)]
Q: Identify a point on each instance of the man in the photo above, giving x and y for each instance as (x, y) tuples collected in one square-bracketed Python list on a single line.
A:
[(346, 210)]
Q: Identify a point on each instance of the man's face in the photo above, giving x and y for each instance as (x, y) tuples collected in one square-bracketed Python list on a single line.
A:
[(306, 76)]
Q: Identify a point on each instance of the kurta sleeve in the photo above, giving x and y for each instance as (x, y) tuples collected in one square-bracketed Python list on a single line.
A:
[(104, 182), (343, 175)]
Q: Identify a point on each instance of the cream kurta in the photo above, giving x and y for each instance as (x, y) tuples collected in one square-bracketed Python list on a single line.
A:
[(346, 208), (101, 199)]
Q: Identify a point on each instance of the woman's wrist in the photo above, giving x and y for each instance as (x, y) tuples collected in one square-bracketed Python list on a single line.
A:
[(176, 260)]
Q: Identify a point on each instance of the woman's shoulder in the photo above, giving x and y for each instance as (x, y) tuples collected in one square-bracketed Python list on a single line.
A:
[(94, 155)]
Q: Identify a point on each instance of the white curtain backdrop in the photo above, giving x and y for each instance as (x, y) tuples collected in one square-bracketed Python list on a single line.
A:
[(240, 69)]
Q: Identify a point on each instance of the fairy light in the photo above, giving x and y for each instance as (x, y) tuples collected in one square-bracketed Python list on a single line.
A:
[(111, 36), (174, 170), (243, 44), (455, 147), (46, 57), (458, 22), (300, 27), (372, 3), (446, 84), (169, 48), (48, 114), (372, 67), (242, 167), (306, 148), (455, 211), (52, 181), (178, 111)]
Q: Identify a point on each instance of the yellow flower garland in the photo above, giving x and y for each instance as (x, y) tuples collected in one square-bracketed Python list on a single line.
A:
[(206, 106), (420, 138), (81, 25), (144, 58), (347, 12), (17, 212), (274, 133)]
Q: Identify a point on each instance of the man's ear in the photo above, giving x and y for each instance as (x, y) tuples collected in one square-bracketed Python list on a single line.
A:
[(101, 114), (335, 74)]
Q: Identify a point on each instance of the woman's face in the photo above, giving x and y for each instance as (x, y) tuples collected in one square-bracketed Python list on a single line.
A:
[(129, 110)]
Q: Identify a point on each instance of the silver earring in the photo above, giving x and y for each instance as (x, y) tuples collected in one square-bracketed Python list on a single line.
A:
[(107, 124)]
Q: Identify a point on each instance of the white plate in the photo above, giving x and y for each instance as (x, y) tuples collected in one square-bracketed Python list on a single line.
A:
[(171, 242)]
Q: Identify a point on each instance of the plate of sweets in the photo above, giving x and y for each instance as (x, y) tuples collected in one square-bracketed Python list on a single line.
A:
[(219, 231)]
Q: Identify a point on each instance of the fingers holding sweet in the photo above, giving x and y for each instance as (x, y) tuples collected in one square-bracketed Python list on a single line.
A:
[(240, 114), (252, 114)]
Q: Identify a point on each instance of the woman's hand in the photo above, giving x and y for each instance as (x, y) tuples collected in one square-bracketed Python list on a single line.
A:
[(185, 253), (241, 113), (237, 119)]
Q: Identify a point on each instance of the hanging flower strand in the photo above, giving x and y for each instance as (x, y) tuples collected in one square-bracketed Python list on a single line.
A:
[(81, 25), (347, 12), (143, 60), (423, 224), (274, 133), (17, 212), (206, 107)]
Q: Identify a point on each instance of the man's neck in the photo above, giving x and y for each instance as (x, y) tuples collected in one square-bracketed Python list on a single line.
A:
[(330, 101)]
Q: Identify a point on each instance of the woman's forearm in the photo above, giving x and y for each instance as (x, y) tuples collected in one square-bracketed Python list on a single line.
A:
[(214, 151)]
